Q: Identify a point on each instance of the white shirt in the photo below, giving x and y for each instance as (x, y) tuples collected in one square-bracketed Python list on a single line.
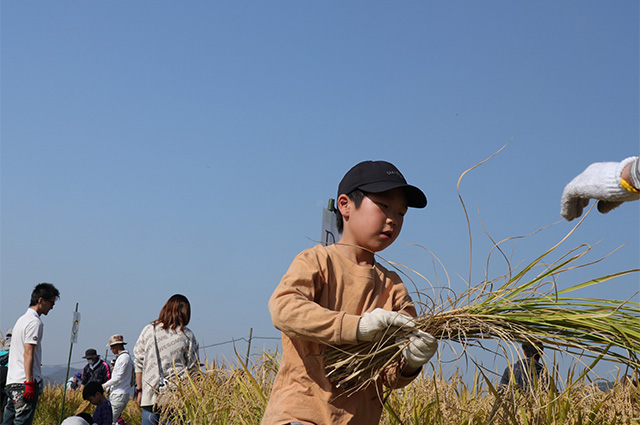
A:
[(121, 375), (27, 330)]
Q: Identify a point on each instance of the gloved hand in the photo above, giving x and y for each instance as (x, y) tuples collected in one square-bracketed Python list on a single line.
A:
[(422, 346), (600, 181), (29, 390), (372, 325)]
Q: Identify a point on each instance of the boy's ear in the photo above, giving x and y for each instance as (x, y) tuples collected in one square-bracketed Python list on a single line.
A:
[(344, 205)]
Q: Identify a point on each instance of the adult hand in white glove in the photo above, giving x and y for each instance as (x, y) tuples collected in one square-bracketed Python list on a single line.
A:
[(374, 324), (422, 346), (600, 181)]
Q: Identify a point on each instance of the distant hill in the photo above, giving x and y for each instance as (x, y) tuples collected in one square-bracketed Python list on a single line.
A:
[(55, 375)]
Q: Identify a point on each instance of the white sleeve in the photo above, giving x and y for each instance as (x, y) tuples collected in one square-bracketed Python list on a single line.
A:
[(33, 333), (119, 370)]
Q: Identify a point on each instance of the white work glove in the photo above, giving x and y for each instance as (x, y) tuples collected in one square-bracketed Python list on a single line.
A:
[(600, 181), (422, 346), (374, 324)]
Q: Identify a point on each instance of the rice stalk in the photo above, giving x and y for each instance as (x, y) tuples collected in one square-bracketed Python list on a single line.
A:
[(523, 308), (527, 306)]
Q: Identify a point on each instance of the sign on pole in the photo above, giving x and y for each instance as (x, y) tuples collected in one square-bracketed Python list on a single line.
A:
[(330, 233), (75, 327)]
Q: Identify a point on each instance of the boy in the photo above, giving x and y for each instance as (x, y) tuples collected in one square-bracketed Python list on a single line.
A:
[(94, 393), (339, 295)]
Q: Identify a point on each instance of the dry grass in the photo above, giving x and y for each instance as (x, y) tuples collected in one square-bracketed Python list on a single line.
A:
[(235, 394), (49, 403), (531, 303), (521, 309)]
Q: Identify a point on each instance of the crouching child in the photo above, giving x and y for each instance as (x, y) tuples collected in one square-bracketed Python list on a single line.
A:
[(94, 393)]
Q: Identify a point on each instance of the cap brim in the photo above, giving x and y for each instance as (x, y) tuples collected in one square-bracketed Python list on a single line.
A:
[(415, 197)]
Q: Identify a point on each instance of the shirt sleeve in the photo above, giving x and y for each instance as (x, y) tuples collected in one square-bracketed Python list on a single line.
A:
[(193, 361), (85, 375), (118, 371), (104, 371), (140, 350), (33, 333), (294, 310)]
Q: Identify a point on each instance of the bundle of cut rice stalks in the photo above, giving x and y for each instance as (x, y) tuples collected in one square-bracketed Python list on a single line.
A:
[(526, 306)]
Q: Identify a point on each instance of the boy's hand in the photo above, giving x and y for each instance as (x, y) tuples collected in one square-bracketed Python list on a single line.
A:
[(422, 346), (372, 325)]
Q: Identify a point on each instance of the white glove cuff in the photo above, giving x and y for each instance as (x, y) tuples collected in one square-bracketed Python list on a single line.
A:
[(634, 173), (612, 183)]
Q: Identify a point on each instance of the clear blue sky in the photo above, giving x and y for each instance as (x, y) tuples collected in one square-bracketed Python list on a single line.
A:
[(152, 148)]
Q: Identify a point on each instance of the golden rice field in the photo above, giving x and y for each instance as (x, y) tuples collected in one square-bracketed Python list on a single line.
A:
[(528, 303), (235, 394)]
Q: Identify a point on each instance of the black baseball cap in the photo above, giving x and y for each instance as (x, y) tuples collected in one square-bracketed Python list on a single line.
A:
[(380, 176)]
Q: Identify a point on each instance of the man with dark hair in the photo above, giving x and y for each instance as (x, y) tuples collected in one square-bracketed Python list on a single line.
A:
[(24, 378)]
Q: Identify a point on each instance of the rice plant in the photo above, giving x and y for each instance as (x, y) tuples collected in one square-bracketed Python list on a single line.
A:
[(50, 402), (229, 393), (526, 304)]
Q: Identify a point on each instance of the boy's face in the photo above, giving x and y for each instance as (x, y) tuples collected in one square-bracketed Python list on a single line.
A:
[(377, 222), (95, 399)]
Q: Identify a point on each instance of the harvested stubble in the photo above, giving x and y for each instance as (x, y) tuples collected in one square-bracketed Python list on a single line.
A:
[(523, 308)]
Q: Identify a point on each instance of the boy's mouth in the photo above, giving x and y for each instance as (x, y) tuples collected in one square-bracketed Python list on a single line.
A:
[(388, 234)]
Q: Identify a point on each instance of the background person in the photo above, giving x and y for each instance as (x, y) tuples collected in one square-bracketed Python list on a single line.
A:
[(24, 377), (527, 373), (93, 392), (169, 340), (610, 183), (122, 377), (74, 382), (96, 369), (79, 419), (4, 367)]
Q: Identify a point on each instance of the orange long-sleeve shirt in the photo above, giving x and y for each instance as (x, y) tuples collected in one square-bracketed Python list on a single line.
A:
[(319, 301)]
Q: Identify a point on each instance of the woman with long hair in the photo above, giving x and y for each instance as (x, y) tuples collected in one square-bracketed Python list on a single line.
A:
[(168, 340)]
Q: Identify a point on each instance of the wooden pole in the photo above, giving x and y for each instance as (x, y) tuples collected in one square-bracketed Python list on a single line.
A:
[(249, 346)]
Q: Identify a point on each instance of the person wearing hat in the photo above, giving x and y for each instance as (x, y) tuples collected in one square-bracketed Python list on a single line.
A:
[(122, 377), (73, 383), (96, 369), (340, 295)]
